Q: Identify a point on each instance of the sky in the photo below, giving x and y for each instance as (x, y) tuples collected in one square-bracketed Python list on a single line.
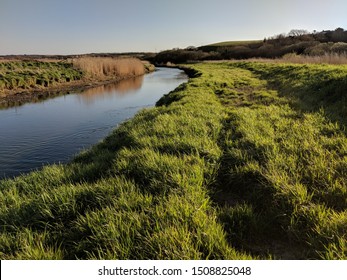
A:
[(94, 26)]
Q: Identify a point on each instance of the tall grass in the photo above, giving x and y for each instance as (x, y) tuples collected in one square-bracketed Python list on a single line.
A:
[(112, 67), (327, 58)]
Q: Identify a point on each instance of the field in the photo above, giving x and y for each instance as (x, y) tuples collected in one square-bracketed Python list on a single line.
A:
[(247, 160)]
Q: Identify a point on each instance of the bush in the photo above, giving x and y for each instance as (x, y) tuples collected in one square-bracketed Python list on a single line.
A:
[(340, 48), (180, 56)]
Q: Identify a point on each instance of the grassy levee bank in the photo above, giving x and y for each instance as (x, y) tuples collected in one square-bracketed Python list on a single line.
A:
[(308, 87), (283, 173), (234, 164)]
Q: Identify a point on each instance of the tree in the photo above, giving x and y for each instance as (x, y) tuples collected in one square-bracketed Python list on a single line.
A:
[(339, 35), (297, 32)]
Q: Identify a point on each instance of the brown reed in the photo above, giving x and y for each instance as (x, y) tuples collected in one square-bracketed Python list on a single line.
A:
[(106, 67), (327, 58)]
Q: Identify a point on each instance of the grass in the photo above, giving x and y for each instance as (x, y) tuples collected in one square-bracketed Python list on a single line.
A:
[(308, 87), (245, 161), (33, 74), (284, 159)]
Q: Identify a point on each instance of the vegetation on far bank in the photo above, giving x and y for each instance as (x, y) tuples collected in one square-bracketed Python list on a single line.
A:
[(27, 79), (106, 67), (33, 74), (246, 160)]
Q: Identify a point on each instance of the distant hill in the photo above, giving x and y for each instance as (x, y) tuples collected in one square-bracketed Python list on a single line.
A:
[(234, 43)]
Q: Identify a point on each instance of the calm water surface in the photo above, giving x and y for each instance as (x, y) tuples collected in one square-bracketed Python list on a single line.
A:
[(55, 130)]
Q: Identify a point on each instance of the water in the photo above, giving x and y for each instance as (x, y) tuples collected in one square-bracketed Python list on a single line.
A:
[(55, 130)]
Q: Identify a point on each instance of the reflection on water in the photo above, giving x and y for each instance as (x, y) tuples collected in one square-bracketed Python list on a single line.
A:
[(55, 129), (123, 87)]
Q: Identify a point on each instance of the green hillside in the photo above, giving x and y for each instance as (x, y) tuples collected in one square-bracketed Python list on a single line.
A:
[(234, 43)]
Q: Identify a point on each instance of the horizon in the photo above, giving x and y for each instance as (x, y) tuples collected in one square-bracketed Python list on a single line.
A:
[(76, 27)]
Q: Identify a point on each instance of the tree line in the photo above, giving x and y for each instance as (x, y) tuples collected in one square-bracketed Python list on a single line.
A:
[(297, 41)]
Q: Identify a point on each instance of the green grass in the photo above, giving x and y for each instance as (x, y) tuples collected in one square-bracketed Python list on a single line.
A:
[(35, 74), (284, 160), (308, 87), (245, 161)]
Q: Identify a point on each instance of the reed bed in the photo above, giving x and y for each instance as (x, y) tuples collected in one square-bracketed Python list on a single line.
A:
[(327, 58), (109, 67)]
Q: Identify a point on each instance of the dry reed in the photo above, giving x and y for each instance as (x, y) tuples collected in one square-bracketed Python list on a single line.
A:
[(105, 67), (328, 58)]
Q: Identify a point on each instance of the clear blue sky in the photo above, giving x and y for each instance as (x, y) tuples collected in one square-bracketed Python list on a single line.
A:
[(84, 26)]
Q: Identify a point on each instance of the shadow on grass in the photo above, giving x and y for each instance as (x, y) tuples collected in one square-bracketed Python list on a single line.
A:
[(254, 219), (311, 88)]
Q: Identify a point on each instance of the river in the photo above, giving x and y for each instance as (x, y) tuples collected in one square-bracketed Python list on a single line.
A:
[(54, 130)]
